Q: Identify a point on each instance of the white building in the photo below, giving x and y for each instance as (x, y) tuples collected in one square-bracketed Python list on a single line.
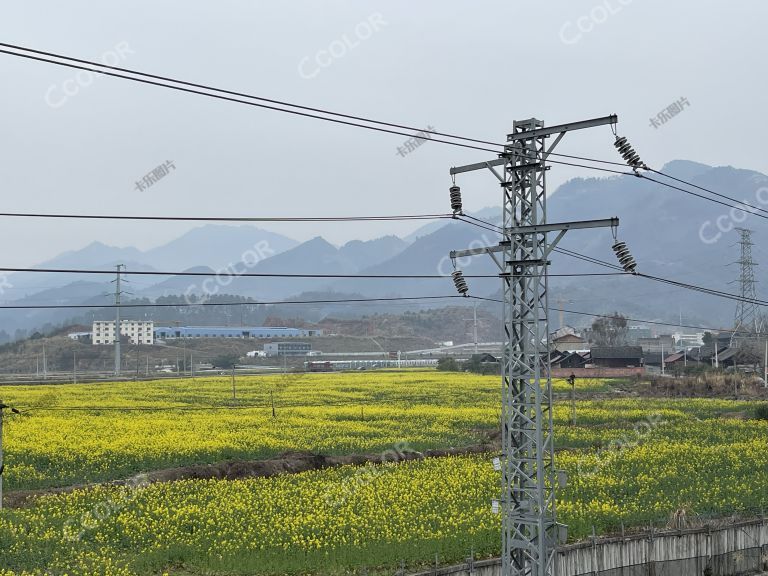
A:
[(135, 331), (288, 349), (79, 336)]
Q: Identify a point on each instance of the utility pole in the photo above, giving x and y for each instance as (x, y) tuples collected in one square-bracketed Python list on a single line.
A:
[(2, 462), (234, 390), (765, 366), (45, 363), (529, 529), (74, 367), (748, 316), (473, 332), (118, 293), (662, 357)]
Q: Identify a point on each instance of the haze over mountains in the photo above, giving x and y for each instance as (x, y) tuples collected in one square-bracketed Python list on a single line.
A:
[(666, 231)]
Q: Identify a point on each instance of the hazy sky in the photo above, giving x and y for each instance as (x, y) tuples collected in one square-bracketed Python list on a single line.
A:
[(468, 67)]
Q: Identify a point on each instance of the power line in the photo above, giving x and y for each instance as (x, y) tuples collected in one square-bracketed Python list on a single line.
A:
[(675, 324), (275, 101), (144, 78), (495, 228), (228, 274), (254, 303), (101, 69), (694, 287), (221, 96), (94, 67), (229, 218), (642, 321), (749, 206), (243, 95), (751, 209)]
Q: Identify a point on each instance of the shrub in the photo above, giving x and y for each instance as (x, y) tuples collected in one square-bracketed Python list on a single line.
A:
[(447, 365)]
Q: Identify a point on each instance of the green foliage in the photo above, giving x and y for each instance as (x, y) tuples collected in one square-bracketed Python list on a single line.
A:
[(448, 365), (477, 365), (761, 412), (225, 361)]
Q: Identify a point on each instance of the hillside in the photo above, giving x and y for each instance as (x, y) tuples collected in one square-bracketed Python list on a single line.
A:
[(670, 233)]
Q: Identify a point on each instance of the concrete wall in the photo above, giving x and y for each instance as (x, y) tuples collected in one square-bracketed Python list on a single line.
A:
[(740, 548)]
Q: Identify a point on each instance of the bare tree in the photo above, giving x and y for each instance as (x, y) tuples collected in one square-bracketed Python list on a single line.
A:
[(610, 330)]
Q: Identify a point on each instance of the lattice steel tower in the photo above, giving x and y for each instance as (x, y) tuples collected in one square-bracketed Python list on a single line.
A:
[(529, 528), (748, 318)]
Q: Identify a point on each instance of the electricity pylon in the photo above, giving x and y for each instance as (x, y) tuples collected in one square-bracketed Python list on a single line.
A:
[(748, 318), (529, 528), (118, 294)]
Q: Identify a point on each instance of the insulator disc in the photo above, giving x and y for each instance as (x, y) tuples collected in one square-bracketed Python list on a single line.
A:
[(620, 141), (628, 261), (455, 198), (460, 282)]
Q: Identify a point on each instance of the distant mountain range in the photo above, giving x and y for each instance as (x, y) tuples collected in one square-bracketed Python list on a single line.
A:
[(666, 230)]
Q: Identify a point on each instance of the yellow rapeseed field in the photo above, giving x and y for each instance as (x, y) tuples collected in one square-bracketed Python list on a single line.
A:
[(85, 433), (629, 461)]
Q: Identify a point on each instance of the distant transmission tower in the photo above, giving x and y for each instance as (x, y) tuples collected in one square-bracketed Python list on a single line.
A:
[(118, 293), (748, 316)]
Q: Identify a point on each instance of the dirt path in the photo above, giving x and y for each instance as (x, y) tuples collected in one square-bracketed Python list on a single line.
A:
[(287, 463)]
